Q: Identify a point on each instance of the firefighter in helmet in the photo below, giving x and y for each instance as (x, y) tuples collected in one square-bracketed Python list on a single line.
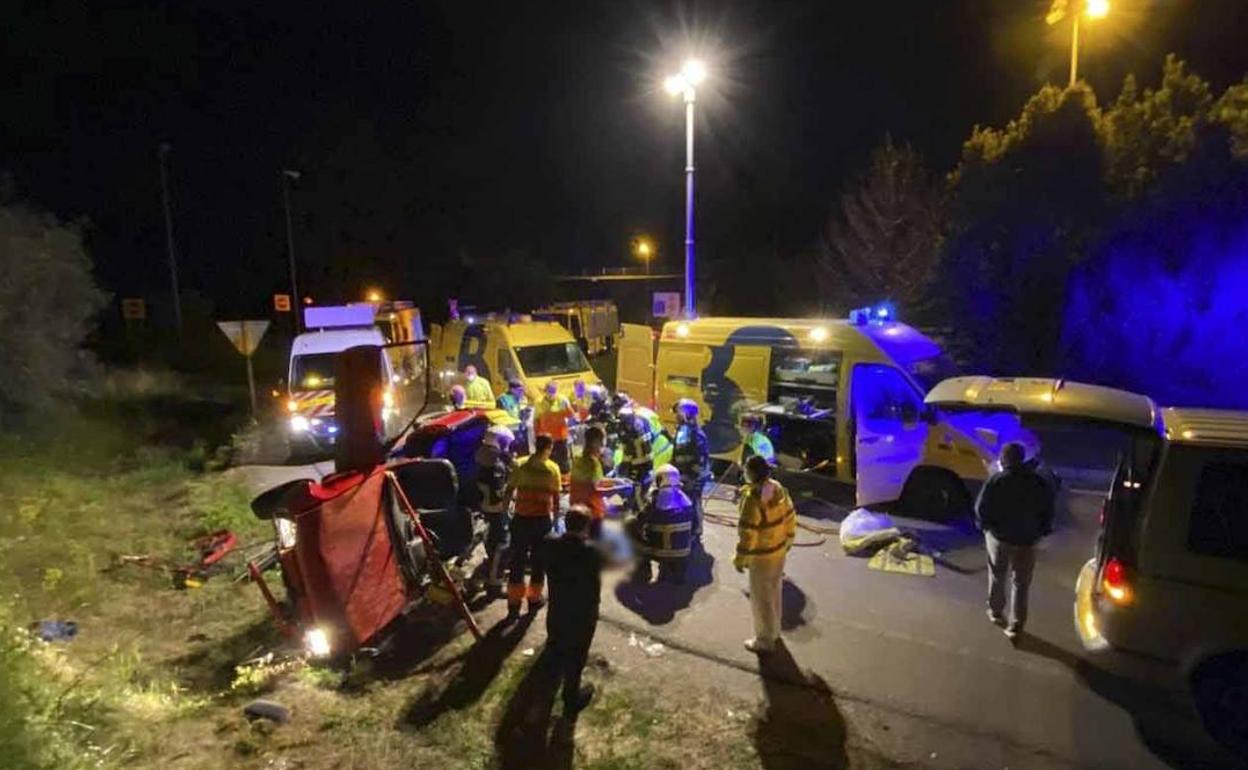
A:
[(494, 465), (691, 454), (663, 530)]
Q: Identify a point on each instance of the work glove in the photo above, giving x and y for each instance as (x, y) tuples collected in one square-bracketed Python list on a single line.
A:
[(739, 563)]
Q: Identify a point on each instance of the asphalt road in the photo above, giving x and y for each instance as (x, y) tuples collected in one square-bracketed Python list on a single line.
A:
[(921, 647)]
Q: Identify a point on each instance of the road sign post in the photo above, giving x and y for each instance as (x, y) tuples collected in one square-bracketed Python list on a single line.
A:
[(245, 336)]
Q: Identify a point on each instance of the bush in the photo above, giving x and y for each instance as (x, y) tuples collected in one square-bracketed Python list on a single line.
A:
[(47, 301)]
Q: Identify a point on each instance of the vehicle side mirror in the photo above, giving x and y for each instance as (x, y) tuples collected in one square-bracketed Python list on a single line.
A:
[(281, 501)]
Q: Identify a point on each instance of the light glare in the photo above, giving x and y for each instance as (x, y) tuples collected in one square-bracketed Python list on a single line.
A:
[(694, 71), (1098, 9), (316, 641), (674, 85)]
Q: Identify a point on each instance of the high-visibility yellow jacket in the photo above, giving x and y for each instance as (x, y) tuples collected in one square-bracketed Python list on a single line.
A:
[(586, 473), (537, 483), (767, 523), (479, 393), (550, 418)]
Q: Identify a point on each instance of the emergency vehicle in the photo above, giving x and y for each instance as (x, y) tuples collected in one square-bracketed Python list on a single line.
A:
[(595, 323), (841, 397), (310, 377), (534, 352)]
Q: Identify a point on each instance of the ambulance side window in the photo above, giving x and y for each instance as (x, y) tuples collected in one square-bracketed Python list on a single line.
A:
[(884, 395)]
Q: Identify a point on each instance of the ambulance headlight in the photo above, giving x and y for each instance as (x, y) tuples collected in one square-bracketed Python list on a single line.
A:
[(316, 643), (292, 405), (299, 424), (285, 533)]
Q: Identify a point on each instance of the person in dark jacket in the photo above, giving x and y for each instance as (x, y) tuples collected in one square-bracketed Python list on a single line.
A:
[(663, 530), (692, 457), (1015, 509), (494, 464), (574, 566)]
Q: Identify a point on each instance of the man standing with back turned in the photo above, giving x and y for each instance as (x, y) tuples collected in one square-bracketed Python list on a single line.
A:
[(1015, 510)]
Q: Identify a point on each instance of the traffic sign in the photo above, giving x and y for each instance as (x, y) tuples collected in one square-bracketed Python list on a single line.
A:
[(133, 309), (666, 304), (244, 334), (281, 303)]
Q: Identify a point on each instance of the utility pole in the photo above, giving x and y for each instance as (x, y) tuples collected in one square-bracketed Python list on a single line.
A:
[(162, 154), (289, 176)]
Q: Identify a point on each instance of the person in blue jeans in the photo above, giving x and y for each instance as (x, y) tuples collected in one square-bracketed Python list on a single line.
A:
[(1015, 510)]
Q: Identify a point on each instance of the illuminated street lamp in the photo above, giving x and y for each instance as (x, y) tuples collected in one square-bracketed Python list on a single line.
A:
[(685, 84), (1093, 9), (644, 251), (373, 295)]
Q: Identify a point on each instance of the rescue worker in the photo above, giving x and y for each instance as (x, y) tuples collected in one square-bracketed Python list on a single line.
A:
[(599, 406), (536, 485), (477, 389), (551, 419), (754, 441), (765, 531), (580, 400), (587, 472), (575, 565), (691, 454), (494, 464), (663, 530), (458, 396), (634, 459), (512, 400)]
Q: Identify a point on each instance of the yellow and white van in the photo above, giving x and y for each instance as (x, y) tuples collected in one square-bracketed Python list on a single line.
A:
[(535, 352), (842, 397)]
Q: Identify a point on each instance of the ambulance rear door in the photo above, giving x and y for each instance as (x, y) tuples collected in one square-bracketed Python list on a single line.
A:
[(634, 372)]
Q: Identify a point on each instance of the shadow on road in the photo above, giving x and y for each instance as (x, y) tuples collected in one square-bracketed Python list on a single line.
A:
[(525, 738), (464, 681), (796, 610), (658, 602), (800, 726), (1165, 723)]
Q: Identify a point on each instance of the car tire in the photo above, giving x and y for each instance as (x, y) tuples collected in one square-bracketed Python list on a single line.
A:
[(935, 494), (1220, 691)]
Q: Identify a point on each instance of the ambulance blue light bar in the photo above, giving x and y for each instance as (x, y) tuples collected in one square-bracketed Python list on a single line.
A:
[(879, 313)]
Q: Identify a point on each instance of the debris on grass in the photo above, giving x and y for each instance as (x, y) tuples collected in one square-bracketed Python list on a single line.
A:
[(267, 709)]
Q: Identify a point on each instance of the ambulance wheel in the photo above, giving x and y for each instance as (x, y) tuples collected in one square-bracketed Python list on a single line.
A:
[(935, 494)]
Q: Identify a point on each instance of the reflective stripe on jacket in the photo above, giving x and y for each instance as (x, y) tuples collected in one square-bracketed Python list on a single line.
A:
[(551, 417), (537, 487), (583, 490), (767, 522), (667, 525)]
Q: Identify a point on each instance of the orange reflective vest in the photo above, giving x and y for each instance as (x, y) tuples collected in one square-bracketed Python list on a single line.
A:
[(583, 490), (551, 417), (537, 484)]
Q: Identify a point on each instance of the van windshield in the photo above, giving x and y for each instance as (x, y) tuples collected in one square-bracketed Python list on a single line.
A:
[(929, 371), (312, 372), (552, 360)]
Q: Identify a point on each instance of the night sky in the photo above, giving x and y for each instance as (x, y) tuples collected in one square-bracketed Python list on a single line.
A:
[(426, 131)]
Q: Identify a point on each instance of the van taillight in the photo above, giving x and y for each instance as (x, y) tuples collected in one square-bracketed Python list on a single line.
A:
[(1116, 583)]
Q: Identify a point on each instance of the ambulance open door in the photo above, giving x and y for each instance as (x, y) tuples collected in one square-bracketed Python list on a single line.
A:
[(634, 373)]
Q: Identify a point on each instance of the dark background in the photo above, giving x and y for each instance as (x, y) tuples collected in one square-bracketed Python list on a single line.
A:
[(427, 132)]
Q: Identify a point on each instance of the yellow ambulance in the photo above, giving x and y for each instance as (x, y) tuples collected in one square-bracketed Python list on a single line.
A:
[(840, 397), (535, 352)]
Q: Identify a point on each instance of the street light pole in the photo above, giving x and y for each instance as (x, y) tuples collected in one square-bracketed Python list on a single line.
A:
[(1074, 48), (690, 305), (162, 153), (685, 83), (289, 176)]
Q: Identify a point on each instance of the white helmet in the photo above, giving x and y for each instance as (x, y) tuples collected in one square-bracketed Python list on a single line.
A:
[(499, 437), (686, 408), (666, 475)]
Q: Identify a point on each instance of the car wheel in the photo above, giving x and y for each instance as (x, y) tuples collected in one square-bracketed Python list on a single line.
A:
[(934, 494), (1220, 689)]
